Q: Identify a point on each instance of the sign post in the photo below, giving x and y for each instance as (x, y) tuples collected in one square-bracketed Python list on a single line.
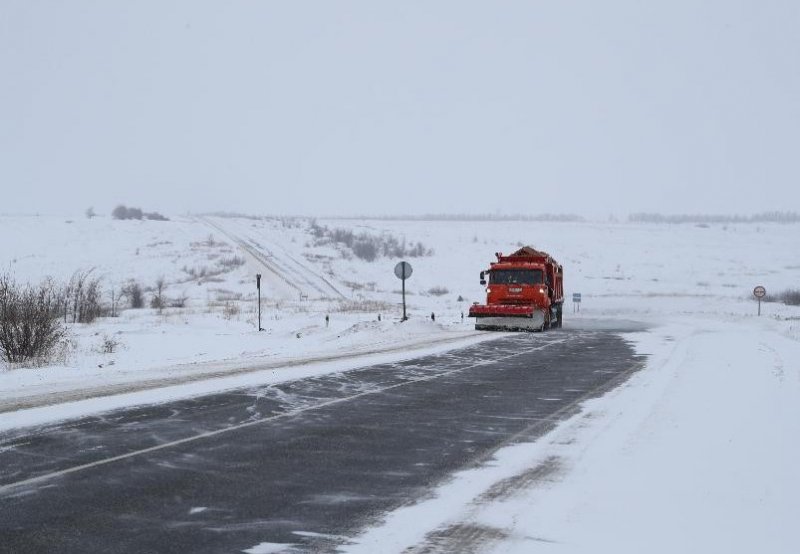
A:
[(403, 271), (576, 301), (759, 292), (258, 286)]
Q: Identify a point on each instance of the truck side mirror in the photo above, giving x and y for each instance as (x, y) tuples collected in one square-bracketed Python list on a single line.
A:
[(483, 278)]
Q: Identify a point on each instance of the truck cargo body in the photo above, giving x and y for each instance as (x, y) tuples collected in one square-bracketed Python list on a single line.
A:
[(525, 292)]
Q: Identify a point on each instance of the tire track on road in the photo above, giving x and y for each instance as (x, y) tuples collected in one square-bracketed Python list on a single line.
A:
[(291, 277)]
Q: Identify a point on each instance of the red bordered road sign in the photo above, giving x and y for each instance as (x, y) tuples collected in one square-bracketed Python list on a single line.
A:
[(759, 292)]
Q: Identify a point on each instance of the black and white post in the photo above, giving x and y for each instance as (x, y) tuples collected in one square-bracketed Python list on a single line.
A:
[(258, 286), (403, 271)]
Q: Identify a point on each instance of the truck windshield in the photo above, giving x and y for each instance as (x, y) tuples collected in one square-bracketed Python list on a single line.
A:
[(515, 277)]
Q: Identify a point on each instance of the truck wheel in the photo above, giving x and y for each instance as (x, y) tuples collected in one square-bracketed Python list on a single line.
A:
[(560, 316)]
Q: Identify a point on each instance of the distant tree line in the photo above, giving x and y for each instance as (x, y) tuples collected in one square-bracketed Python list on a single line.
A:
[(472, 217), (124, 212), (765, 217), (241, 215), (426, 217)]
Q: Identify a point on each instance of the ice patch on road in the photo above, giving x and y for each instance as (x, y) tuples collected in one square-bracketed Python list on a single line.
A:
[(268, 548), (313, 535), (333, 499)]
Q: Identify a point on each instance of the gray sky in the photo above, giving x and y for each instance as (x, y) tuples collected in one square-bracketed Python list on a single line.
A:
[(406, 107)]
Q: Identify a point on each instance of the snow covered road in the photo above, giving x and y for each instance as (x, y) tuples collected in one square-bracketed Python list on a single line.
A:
[(305, 464)]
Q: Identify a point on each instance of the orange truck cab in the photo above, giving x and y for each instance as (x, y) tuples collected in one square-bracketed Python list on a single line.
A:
[(525, 292)]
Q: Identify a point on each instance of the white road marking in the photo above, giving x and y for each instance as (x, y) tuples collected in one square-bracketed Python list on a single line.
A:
[(291, 413)]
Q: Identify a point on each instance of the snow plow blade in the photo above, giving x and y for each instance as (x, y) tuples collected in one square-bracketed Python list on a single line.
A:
[(507, 318)]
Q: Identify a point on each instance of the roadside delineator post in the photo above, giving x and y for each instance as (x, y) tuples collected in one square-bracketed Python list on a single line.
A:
[(258, 286)]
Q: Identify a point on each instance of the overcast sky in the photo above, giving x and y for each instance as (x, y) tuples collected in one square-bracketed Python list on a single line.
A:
[(333, 107)]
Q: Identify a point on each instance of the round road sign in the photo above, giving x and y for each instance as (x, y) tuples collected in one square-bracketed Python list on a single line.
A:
[(759, 292), (403, 270)]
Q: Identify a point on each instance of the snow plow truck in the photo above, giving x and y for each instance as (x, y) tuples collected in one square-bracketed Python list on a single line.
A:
[(525, 292)]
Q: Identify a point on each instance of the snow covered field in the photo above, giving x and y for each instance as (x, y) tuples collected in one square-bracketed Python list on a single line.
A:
[(696, 453)]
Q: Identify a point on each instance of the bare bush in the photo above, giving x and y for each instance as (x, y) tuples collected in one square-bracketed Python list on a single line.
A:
[(230, 262), (113, 309), (230, 310), (210, 274), (354, 286), (438, 291), (159, 302), (375, 306), (365, 249), (790, 297), (30, 326), (134, 293), (108, 345), (225, 295), (82, 297), (178, 302), (89, 303), (366, 246)]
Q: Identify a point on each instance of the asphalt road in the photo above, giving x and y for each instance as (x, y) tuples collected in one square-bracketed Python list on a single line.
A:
[(309, 463)]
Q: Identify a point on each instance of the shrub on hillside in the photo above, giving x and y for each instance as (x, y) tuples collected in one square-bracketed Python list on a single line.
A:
[(366, 246), (134, 293), (365, 249), (82, 296), (159, 301), (231, 262), (83, 293), (30, 324), (790, 297)]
